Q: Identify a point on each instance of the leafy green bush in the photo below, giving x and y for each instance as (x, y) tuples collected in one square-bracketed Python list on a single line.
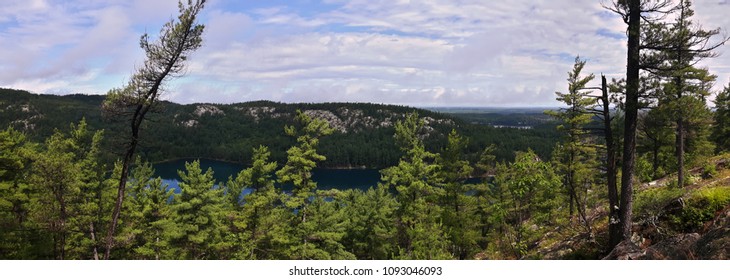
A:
[(709, 171), (649, 204), (700, 208), (644, 171)]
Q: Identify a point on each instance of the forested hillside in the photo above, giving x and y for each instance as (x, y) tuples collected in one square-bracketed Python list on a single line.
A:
[(633, 168), (362, 137)]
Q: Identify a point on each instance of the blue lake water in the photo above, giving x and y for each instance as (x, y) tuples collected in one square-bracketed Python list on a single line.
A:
[(325, 178)]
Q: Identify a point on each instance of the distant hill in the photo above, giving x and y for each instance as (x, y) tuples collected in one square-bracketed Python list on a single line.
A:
[(524, 118), (363, 137)]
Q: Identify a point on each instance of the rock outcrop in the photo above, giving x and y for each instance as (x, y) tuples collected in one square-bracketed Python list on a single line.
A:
[(204, 109), (711, 245)]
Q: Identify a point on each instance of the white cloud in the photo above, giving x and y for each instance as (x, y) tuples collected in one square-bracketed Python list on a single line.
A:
[(440, 52)]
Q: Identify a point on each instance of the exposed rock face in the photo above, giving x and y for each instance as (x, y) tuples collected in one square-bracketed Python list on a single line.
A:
[(625, 250), (430, 120), (334, 121), (189, 123), (201, 110), (356, 119), (257, 113), (27, 123), (674, 248), (712, 245), (343, 119)]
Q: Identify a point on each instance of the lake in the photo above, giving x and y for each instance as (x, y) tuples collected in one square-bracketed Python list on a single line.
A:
[(325, 178)]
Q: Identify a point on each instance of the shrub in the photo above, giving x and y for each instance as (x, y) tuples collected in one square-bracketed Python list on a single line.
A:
[(700, 208), (649, 204), (709, 171)]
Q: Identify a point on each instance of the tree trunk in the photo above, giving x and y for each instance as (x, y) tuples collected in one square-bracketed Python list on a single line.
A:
[(680, 153), (631, 115), (614, 229), (122, 187), (92, 232), (655, 160)]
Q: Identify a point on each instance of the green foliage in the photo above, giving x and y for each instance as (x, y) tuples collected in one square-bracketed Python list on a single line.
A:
[(148, 226), (459, 207), (15, 192), (260, 222), (367, 142), (370, 231), (576, 158), (68, 199), (302, 158), (721, 127), (198, 215), (322, 232), (417, 181), (650, 204), (700, 208), (527, 199), (709, 170), (655, 144), (644, 171)]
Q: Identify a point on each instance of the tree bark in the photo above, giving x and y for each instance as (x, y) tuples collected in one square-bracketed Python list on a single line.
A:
[(122, 186), (631, 117), (614, 229), (680, 152), (92, 232)]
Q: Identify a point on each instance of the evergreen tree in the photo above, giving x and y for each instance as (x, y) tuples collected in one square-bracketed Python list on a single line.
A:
[(323, 231), (576, 157), (370, 229), (165, 58), (260, 219), (309, 242), (487, 213), (198, 214), (721, 128), (301, 159), (459, 206), (15, 162), (68, 197), (529, 200), (417, 181), (655, 143), (149, 218), (687, 88)]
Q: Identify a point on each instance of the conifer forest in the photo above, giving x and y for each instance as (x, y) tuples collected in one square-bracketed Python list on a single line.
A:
[(635, 167)]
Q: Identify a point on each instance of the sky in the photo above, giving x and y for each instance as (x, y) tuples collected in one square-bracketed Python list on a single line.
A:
[(420, 53)]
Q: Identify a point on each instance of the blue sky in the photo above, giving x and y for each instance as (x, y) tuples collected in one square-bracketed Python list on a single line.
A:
[(422, 53)]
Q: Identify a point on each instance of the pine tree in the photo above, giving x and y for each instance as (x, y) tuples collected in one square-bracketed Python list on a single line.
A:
[(260, 219), (370, 230), (323, 231), (68, 198), (165, 58), (459, 206), (417, 181), (529, 200), (301, 159), (577, 155), (198, 214), (655, 142), (149, 218), (721, 128), (15, 162), (686, 44)]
